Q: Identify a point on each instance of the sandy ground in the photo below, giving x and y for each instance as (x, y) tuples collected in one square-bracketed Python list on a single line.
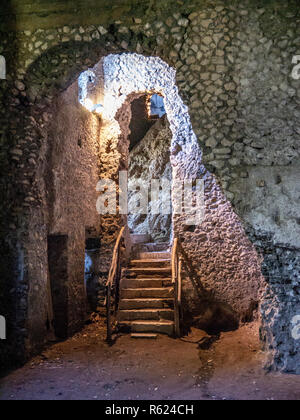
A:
[(86, 368)]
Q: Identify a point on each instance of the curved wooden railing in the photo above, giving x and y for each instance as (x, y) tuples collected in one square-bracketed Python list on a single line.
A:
[(177, 283), (114, 277)]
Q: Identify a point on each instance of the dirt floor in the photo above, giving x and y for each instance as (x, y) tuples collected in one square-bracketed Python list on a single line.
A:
[(86, 368)]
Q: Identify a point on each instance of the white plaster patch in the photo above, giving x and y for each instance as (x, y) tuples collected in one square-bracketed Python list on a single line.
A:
[(85, 79)]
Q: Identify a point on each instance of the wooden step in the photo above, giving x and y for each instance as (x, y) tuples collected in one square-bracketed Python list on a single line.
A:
[(152, 247), (137, 238), (148, 271), (165, 292), (144, 303), (146, 263), (147, 336), (146, 314), (141, 326), (156, 247), (146, 283), (161, 255)]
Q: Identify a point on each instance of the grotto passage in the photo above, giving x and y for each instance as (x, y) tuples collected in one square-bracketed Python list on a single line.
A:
[(150, 200)]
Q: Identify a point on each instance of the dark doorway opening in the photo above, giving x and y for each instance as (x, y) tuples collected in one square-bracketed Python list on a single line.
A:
[(140, 121), (145, 111), (58, 273), (93, 286), (150, 170)]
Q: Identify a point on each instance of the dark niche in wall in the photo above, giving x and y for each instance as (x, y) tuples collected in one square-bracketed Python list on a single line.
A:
[(93, 286), (145, 111), (140, 122), (58, 272)]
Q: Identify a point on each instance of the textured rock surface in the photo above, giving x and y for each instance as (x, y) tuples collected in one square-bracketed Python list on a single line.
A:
[(140, 122), (234, 65), (68, 174), (226, 262), (149, 160)]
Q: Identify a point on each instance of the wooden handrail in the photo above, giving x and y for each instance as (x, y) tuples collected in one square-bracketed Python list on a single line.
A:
[(176, 281), (114, 276), (113, 267), (179, 281), (174, 257), (191, 272), (180, 259)]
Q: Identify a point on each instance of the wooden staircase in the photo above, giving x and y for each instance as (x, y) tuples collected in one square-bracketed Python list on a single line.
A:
[(146, 292), (147, 295)]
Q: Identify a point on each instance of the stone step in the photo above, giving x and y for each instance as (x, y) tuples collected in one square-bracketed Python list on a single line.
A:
[(148, 271), (144, 303), (145, 283), (154, 263), (137, 238), (165, 292), (147, 336), (152, 247), (155, 255), (146, 314), (140, 326), (156, 247)]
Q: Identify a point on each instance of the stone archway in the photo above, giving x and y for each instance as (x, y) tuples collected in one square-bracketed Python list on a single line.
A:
[(118, 76), (219, 249), (226, 262), (115, 91)]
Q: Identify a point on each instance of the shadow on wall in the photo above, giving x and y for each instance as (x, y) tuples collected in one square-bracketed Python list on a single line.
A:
[(12, 288), (150, 160), (47, 76), (224, 285), (280, 328), (208, 314)]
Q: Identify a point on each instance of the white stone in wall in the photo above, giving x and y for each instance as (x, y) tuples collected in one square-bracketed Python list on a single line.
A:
[(122, 75)]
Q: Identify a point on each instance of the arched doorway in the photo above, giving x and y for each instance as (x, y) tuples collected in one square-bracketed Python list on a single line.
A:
[(111, 87), (225, 262)]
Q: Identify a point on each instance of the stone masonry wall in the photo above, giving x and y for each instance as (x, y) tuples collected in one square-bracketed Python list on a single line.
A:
[(149, 160), (67, 175), (234, 65), (224, 260)]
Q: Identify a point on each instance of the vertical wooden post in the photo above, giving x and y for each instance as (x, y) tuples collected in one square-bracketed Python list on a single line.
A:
[(176, 317), (108, 314), (175, 284), (179, 290)]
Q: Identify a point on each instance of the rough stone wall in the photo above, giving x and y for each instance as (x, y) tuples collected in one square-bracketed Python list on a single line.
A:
[(67, 174), (280, 305), (64, 162), (233, 67), (225, 261), (150, 160), (114, 153)]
